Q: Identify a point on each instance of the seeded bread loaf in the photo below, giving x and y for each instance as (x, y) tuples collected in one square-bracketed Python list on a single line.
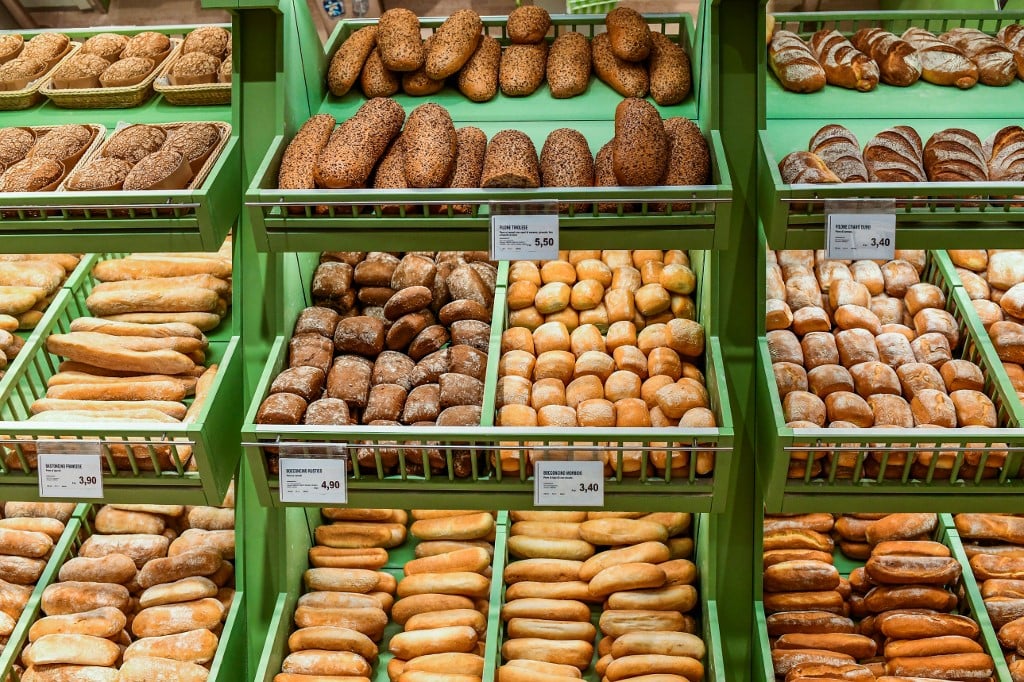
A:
[(522, 69), (347, 62), (354, 148), (528, 24), (429, 146), (454, 43), (511, 161), (568, 68), (478, 79), (566, 161), (629, 37), (398, 40), (640, 153), (376, 80), (629, 79), (669, 70)]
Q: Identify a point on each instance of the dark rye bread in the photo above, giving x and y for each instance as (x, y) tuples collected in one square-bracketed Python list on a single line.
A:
[(640, 154), (453, 44), (669, 66), (299, 161), (398, 40), (566, 161), (376, 80), (478, 79), (626, 78), (357, 144), (528, 24), (511, 161), (568, 70), (522, 69), (347, 62), (429, 146)]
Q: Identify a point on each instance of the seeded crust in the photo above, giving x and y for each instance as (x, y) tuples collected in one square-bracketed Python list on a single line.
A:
[(147, 44), (454, 43), (46, 46), (151, 170), (224, 72), (21, 68), (418, 83), (11, 45), (31, 175), (299, 160), (629, 35), (568, 70), (689, 160), (669, 70), (193, 140), (82, 65), (626, 78), (471, 146), (106, 45), (62, 142), (511, 161), (528, 24), (522, 69), (566, 161), (429, 145), (196, 64), (135, 142), (347, 62), (14, 145), (127, 69), (376, 80), (640, 154), (478, 79), (213, 40), (604, 176), (398, 40), (99, 173), (355, 147), (390, 173)]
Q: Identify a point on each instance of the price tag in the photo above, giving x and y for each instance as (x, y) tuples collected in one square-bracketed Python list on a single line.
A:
[(311, 479), (70, 469), (524, 231), (568, 484), (860, 230)]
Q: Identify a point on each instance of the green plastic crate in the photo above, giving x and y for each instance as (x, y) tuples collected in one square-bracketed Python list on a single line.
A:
[(214, 448), (706, 611), (590, 6), (371, 486), (935, 489), (971, 599)]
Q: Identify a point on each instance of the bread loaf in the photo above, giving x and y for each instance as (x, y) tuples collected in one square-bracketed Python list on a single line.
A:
[(897, 60), (805, 168), (568, 65), (398, 40), (995, 62), (347, 62), (478, 78), (357, 144), (626, 78), (895, 155), (510, 161), (299, 160), (794, 64), (955, 155), (522, 69), (453, 44), (429, 146), (942, 63), (840, 151), (638, 127), (844, 65), (670, 78)]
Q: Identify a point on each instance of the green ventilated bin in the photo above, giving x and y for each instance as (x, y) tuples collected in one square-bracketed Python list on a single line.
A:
[(189, 463), (862, 485), (11, 650), (299, 538), (370, 485), (971, 604), (707, 617), (305, 220)]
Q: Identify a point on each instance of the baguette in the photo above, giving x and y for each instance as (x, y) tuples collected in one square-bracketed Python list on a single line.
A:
[(793, 63), (453, 639), (565, 652), (143, 344), (221, 286), (111, 408), (203, 321), (120, 391), (109, 355), (544, 570), (147, 266)]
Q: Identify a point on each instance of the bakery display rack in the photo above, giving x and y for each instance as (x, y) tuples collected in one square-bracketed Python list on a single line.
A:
[(167, 220)]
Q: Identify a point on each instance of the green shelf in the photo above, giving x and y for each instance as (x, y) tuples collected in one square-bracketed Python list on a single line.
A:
[(930, 490), (169, 220), (971, 604), (158, 465), (919, 101), (372, 486)]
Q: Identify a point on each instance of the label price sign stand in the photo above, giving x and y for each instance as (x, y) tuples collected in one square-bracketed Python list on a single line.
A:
[(525, 230), (70, 469), (313, 473), (568, 484), (860, 229)]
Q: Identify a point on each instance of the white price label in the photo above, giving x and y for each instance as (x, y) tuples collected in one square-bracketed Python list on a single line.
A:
[(307, 479), (568, 484), (524, 237), (860, 236), (70, 470)]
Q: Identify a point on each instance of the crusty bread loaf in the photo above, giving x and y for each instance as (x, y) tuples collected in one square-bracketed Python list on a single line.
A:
[(478, 78), (358, 143), (522, 69), (641, 148), (299, 160), (376, 80), (566, 161), (670, 77), (347, 62), (626, 78), (429, 146), (510, 161), (629, 37), (454, 43), (398, 40), (528, 24), (568, 65), (794, 64)]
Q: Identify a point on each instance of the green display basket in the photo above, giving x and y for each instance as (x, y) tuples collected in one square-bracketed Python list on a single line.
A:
[(12, 649), (307, 220), (372, 486), (598, 7), (970, 598), (232, 638), (934, 489), (167, 463)]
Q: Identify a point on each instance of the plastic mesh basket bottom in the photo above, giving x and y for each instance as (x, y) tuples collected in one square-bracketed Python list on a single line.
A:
[(589, 6)]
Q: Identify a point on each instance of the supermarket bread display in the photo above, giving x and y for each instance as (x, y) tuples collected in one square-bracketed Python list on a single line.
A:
[(380, 147), (110, 60), (144, 596), (604, 339), (860, 345), (899, 616), (37, 159), (391, 339), (629, 57), (626, 575)]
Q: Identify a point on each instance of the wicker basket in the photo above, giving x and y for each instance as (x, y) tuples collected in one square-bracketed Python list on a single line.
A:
[(107, 98), (13, 100), (189, 95)]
